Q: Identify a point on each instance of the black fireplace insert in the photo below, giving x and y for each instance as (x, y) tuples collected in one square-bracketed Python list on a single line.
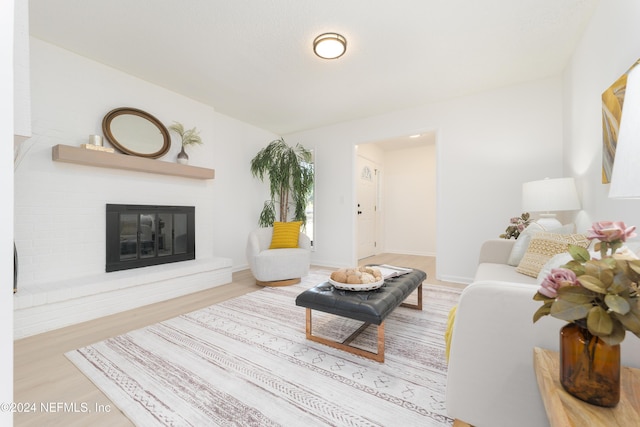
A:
[(145, 235)]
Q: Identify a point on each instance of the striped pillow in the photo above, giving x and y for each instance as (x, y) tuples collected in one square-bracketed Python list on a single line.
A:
[(285, 235)]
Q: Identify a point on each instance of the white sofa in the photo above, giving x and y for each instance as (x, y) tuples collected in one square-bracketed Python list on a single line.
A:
[(491, 380)]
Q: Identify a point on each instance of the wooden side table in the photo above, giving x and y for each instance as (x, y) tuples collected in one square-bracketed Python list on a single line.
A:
[(565, 410)]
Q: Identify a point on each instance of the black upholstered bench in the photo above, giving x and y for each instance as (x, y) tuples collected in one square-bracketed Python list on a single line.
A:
[(370, 307)]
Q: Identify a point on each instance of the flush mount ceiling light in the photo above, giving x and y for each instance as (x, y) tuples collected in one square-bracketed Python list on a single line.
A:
[(330, 45)]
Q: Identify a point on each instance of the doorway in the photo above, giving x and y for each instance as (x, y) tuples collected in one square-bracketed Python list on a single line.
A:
[(367, 211), (401, 188)]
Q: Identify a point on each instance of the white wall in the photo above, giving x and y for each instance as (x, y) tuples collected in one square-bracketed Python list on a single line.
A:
[(6, 213), (488, 145), (410, 201), (60, 208), (610, 45), (22, 98)]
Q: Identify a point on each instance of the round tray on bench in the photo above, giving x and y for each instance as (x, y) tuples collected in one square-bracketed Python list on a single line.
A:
[(357, 286)]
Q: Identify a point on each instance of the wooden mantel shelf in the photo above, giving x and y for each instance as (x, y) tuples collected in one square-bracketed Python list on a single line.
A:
[(82, 156)]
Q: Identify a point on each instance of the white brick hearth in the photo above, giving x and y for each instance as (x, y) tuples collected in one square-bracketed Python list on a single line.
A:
[(48, 306)]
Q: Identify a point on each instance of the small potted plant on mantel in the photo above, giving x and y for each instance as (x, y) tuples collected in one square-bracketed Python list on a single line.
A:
[(189, 137)]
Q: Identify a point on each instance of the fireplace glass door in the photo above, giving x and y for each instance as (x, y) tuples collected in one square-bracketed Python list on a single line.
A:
[(139, 236)]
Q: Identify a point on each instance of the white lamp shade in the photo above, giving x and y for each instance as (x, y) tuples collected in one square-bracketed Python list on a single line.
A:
[(625, 178), (550, 195)]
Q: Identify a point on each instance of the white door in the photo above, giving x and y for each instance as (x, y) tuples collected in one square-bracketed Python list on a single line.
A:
[(366, 209)]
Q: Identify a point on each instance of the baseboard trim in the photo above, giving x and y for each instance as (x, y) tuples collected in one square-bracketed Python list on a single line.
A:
[(456, 279), (403, 252)]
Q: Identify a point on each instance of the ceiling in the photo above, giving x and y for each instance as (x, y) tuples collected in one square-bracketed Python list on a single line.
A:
[(253, 60)]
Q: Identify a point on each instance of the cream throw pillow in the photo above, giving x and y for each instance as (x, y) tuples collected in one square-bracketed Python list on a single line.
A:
[(521, 245), (544, 246)]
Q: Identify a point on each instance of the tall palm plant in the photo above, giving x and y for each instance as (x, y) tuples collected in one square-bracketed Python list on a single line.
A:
[(290, 174)]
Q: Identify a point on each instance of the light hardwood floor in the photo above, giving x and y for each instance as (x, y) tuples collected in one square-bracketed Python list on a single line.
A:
[(45, 378)]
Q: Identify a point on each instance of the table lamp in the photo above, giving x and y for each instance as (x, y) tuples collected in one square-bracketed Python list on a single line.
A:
[(548, 196)]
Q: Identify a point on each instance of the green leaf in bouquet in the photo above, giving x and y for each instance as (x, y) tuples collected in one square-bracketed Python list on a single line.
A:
[(599, 322), (631, 320), (635, 266), (616, 336), (593, 283), (601, 270), (576, 267), (617, 304), (579, 253), (569, 311), (542, 311), (576, 294), (621, 283), (541, 297)]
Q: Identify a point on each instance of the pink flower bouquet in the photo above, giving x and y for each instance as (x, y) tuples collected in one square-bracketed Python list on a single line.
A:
[(603, 292)]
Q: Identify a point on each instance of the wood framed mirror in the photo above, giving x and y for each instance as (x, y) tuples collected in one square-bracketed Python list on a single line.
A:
[(136, 132)]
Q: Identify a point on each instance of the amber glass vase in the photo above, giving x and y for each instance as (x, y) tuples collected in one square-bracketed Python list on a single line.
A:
[(589, 368)]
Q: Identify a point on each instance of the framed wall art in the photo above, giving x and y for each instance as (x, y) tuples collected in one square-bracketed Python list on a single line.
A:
[(612, 104)]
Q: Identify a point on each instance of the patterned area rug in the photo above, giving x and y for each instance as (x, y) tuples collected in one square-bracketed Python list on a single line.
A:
[(246, 362)]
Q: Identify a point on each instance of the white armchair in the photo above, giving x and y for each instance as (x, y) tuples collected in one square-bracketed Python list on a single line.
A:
[(277, 267)]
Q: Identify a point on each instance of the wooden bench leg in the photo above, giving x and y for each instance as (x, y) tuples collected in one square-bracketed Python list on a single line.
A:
[(344, 346), (417, 306)]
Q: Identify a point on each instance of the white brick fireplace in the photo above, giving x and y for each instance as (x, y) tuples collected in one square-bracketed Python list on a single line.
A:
[(59, 226), (60, 236)]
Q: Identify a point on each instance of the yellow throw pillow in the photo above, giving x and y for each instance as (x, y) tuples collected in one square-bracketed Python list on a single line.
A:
[(448, 334), (285, 235), (544, 246)]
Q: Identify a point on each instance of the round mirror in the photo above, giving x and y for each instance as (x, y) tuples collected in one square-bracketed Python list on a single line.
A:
[(136, 132)]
